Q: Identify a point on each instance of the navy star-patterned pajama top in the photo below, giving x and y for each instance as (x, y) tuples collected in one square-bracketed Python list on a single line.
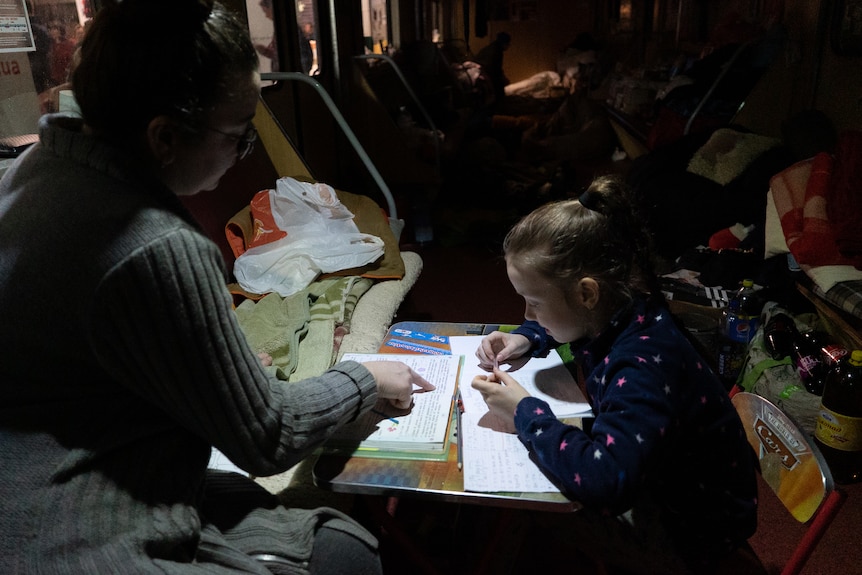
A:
[(663, 424)]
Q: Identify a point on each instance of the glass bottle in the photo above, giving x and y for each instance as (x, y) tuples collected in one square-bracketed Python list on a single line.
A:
[(838, 433), (808, 357), (779, 335)]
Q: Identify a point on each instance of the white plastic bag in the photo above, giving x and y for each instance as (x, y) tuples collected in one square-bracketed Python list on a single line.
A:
[(321, 238)]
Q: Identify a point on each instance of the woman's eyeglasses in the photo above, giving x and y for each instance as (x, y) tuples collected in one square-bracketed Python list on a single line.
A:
[(245, 142)]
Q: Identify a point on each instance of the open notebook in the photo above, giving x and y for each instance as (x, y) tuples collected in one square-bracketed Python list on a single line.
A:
[(423, 429), (495, 460)]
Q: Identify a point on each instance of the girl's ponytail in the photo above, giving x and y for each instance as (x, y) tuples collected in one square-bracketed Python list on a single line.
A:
[(600, 235)]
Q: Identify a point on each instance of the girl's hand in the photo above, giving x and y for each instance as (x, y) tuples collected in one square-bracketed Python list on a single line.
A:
[(395, 382), (499, 347), (501, 393)]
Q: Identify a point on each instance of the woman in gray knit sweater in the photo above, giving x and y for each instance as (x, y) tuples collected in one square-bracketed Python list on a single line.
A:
[(121, 362)]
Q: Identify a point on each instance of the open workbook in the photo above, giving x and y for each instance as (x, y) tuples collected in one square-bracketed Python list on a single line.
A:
[(424, 428)]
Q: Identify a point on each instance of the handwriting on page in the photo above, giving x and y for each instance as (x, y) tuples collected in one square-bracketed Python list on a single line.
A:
[(496, 460)]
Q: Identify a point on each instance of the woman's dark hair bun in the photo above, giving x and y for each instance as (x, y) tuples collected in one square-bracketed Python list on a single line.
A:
[(179, 14), (197, 10)]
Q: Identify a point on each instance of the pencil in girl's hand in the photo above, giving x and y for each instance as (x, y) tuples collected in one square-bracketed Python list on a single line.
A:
[(493, 375)]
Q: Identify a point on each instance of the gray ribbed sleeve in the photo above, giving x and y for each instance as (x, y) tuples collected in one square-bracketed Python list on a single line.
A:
[(121, 365), (163, 326)]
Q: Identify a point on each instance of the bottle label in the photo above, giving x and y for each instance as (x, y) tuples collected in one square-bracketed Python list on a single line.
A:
[(839, 431), (741, 328), (834, 353), (807, 365)]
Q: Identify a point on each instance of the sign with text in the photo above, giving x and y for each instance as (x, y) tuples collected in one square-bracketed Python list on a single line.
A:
[(15, 32)]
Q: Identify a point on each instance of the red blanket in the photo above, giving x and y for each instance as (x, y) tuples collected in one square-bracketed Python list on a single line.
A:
[(809, 205), (845, 200)]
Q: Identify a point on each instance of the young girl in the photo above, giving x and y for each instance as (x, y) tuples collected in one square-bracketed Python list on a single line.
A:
[(665, 473)]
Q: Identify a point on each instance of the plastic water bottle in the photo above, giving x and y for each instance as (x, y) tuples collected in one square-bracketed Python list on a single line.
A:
[(743, 314), (838, 433), (741, 319)]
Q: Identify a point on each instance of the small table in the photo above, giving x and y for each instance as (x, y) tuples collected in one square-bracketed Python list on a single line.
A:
[(434, 480), (437, 480)]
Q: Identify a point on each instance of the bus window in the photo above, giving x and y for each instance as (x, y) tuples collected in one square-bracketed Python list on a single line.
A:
[(265, 39), (306, 21), (375, 26), (262, 32), (36, 60)]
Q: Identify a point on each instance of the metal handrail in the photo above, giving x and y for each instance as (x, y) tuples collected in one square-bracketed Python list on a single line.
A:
[(339, 119), (412, 95), (715, 84)]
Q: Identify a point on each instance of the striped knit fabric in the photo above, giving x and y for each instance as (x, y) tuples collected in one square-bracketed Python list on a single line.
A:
[(121, 364)]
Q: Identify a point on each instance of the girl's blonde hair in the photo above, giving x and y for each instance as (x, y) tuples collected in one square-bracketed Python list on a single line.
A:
[(598, 236)]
